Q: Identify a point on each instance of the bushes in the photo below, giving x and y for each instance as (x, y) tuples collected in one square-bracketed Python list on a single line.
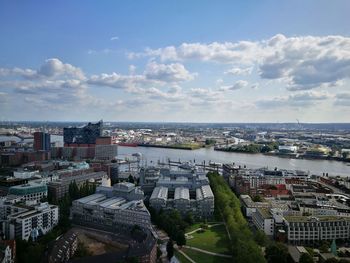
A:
[(243, 246), (172, 223)]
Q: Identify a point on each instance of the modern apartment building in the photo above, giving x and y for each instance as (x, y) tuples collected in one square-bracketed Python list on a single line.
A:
[(264, 221), (311, 229), (29, 222)]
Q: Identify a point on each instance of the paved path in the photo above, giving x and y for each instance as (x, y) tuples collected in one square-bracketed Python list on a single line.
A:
[(185, 255), (208, 252), (210, 226)]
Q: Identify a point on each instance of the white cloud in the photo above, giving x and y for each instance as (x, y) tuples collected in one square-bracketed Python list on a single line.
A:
[(174, 72), (342, 99), (301, 62), (114, 38), (239, 71), (240, 84), (295, 100), (54, 67)]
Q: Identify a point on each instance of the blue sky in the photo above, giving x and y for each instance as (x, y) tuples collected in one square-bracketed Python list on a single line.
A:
[(213, 61)]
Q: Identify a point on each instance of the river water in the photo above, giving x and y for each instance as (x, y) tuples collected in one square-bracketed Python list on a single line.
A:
[(250, 160), (151, 154)]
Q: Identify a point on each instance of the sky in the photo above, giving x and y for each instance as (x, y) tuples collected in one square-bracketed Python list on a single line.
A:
[(175, 61)]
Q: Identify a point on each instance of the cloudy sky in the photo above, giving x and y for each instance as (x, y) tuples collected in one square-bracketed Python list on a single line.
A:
[(193, 61)]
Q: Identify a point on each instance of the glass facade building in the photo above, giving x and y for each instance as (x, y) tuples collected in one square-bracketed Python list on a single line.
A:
[(83, 135)]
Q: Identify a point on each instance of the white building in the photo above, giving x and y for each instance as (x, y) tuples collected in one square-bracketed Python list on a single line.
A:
[(31, 222), (264, 221), (25, 174), (309, 229)]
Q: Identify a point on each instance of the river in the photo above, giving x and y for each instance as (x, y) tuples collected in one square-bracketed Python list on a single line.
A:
[(250, 160), (208, 154)]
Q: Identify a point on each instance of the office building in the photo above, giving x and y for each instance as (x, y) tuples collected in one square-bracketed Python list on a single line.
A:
[(186, 191), (42, 141), (120, 206), (32, 191), (106, 152), (57, 189)]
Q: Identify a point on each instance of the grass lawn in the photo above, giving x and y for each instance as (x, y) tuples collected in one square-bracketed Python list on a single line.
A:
[(214, 239), (205, 258), (198, 225), (181, 258)]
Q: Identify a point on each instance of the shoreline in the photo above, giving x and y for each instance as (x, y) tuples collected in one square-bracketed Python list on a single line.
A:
[(169, 147), (288, 156)]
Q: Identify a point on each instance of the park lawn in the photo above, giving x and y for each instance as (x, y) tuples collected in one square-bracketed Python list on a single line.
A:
[(214, 239), (181, 257), (205, 258), (198, 225)]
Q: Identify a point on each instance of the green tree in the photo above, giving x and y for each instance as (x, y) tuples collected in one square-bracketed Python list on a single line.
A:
[(276, 253), (170, 249), (180, 238), (243, 246), (260, 238), (306, 258), (189, 218), (257, 198), (324, 246)]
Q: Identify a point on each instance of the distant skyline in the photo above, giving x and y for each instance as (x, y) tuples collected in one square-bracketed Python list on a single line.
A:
[(175, 61)]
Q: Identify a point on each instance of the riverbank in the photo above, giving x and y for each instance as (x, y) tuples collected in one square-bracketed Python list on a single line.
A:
[(175, 146), (317, 167), (289, 156)]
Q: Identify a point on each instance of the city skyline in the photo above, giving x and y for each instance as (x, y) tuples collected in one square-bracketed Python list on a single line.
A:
[(175, 62)]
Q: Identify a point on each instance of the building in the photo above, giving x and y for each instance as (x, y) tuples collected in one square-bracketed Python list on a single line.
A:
[(57, 189), (120, 206), (32, 191), (7, 254), (64, 248), (26, 222), (186, 191), (106, 152), (229, 170), (42, 141), (82, 136), (25, 174), (311, 229), (287, 149), (264, 221), (249, 206)]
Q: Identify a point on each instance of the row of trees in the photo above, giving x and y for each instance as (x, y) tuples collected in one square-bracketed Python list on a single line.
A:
[(254, 148), (76, 192), (243, 246)]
